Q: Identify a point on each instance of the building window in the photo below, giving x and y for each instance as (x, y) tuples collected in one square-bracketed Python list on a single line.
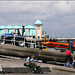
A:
[(33, 36), (2, 31), (12, 30), (38, 37), (6, 30), (38, 27)]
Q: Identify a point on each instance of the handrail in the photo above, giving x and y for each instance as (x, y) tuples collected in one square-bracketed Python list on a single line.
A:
[(35, 43)]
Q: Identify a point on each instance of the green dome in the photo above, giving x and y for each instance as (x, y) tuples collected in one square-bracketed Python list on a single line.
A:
[(38, 22)]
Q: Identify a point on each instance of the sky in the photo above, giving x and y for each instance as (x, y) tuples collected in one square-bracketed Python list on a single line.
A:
[(58, 17)]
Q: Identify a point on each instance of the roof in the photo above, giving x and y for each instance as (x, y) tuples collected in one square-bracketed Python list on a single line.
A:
[(15, 26), (38, 22)]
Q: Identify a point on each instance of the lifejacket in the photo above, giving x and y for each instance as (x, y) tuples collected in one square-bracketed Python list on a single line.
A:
[(18, 33)]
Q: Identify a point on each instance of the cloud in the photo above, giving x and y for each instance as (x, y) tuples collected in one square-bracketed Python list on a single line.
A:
[(57, 16), (42, 8), (62, 7)]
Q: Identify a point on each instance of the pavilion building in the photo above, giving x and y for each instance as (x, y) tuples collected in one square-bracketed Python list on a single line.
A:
[(34, 30)]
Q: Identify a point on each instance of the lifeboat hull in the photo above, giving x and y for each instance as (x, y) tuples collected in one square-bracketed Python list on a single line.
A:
[(56, 44)]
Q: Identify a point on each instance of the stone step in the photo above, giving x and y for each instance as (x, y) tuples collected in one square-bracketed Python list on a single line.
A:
[(61, 69), (15, 70)]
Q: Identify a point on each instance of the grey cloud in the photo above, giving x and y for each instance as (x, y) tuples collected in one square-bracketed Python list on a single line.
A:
[(57, 16)]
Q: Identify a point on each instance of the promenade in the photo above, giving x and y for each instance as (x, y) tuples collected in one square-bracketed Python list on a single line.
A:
[(11, 66)]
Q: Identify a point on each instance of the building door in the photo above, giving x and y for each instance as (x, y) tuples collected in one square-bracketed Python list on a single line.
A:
[(38, 32)]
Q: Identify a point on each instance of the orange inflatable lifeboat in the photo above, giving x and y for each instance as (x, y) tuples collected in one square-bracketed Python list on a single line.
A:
[(51, 44), (55, 44)]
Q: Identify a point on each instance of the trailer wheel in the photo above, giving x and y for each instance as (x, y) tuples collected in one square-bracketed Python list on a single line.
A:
[(62, 50), (21, 42), (44, 61), (2, 42)]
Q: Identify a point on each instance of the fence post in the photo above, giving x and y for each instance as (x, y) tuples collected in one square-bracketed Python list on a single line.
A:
[(4, 39), (35, 43), (31, 43), (14, 39), (24, 41)]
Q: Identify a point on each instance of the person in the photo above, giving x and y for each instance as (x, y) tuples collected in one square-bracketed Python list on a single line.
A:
[(71, 46), (33, 65), (23, 30), (68, 58), (18, 32), (50, 40), (44, 39), (27, 60), (73, 64), (14, 35)]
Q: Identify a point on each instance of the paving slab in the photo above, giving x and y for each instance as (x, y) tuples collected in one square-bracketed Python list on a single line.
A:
[(16, 66), (61, 69)]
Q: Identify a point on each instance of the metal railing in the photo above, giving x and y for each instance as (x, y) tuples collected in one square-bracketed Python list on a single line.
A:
[(31, 44)]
